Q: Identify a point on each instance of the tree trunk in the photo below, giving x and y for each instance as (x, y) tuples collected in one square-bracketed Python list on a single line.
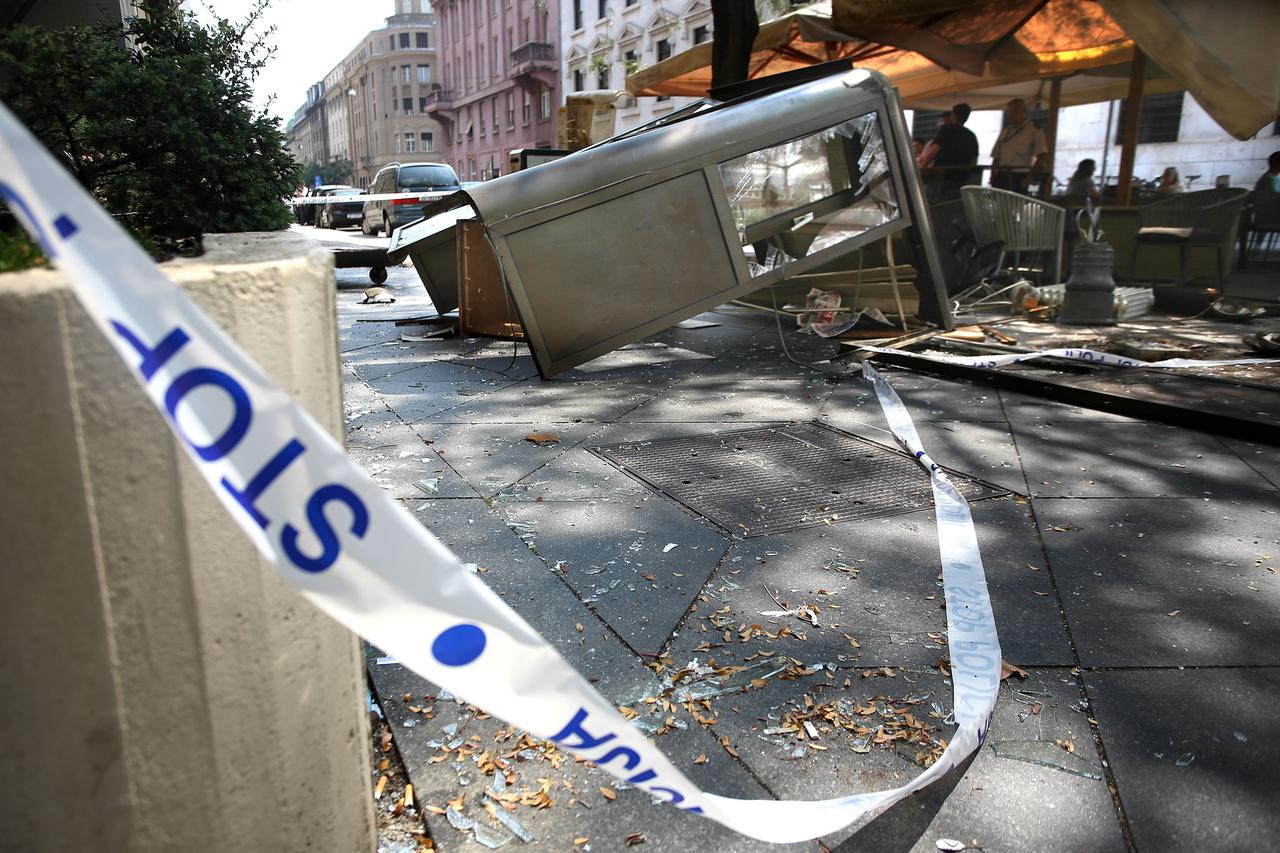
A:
[(735, 26)]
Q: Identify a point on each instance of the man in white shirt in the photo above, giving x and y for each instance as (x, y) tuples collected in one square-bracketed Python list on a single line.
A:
[(1019, 151)]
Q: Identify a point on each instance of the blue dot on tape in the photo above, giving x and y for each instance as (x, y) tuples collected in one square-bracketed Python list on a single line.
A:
[(65, 226), (459, 645)]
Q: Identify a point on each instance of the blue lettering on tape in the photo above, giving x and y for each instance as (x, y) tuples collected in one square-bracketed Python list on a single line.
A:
[(65, 226), (459, 645), (153, 358), (330, 548), (240, 420), (23, 212), (263, 479)]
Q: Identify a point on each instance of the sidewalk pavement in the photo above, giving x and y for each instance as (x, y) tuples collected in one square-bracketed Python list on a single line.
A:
[(1132, 568)]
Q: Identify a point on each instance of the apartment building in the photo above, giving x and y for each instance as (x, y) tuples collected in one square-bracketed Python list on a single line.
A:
[(500, 81), (371, 108), (605, 40)]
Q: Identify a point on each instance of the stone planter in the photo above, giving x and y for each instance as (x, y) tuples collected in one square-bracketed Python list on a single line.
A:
[(165, 690)]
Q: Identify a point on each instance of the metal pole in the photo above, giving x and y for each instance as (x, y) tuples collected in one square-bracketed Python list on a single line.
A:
[(1055, 102), (1106, 146), (1133, 117)]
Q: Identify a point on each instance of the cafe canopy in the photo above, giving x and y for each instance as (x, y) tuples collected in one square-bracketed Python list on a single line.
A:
[(939, 51)]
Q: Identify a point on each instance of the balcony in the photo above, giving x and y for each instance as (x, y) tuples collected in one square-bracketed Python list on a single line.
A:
[(533, 57), (439, 100)]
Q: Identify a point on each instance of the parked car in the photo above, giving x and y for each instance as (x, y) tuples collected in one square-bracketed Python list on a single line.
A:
[(432, 180), (309, 214), (345, 208)]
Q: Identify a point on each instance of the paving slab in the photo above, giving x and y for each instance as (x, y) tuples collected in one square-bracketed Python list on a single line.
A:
[(416, 402), (927, 398), (728, 399), (982, 449), (1104, 459), (616, 559), (500, 455), (579, 474), (877, 581), (574, 806), (1157, 582), (1194, 753), (999, 803), (557, 401), (1029, 411), (1263, 458)]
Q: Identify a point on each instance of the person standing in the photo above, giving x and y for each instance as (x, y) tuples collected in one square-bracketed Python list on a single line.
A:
[(1019, 151), (954, 148), (1270, 180)]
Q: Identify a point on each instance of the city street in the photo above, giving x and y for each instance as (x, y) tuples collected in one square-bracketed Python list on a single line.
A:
[(1132, 567)]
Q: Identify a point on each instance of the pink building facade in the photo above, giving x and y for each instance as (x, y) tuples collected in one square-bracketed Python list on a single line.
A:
[(499, 72)]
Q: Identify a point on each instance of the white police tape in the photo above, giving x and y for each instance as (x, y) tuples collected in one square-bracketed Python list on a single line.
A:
[(1091, 356), (363, 559), (302, 201)]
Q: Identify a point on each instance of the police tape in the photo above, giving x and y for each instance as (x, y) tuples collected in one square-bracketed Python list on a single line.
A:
[(367, 562), (302, 201), (1087, 355)]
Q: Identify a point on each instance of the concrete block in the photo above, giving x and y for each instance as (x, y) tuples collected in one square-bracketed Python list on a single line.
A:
[(166, 690)]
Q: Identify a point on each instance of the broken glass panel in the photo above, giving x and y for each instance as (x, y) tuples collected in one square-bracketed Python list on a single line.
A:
[(795, 199)]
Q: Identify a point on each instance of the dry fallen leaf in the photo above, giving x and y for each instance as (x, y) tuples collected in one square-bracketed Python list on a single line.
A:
[(701, 759), (1069, 745), (1007, 669), (1173, 612), (542, 438), (609, 793), (580, 840), (635, 838)]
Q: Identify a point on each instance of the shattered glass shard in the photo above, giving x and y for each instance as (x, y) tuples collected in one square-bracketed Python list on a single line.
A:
[(1046, 753)]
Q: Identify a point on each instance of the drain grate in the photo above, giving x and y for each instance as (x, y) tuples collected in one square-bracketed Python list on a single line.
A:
[(761, 481)]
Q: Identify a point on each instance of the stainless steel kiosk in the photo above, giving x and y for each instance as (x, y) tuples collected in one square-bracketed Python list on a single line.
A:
[(631, 236)]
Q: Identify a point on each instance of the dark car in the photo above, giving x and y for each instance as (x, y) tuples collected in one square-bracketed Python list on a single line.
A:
[(309, 214), (346, 208), (433, 180)]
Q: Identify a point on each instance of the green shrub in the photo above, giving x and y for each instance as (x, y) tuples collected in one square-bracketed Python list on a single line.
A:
[(156, 120)]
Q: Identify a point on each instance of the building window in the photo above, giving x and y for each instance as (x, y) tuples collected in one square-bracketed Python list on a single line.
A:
[(404, 74), (1160, 119), (393, 42), (424, 73), (524, 108), (579, 80), (544, 104), (422, 40), (924, 124), (632, 2), (404, 40), (602, 76), (406, 7), (422, 105), (602, 9), (511, 111), (664, 49), (493, 108), (428, 142), (473, 169), (701, 34), (577, 14), (407, 103), (397, 144), (409, 143), (480, 116), (497, 66)]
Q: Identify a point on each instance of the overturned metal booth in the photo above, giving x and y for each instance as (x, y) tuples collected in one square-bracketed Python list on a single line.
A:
[(631, 236)]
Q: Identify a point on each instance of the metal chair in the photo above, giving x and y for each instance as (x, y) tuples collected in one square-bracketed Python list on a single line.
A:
[(1265, 224), (1021, 223), (1208, 218)]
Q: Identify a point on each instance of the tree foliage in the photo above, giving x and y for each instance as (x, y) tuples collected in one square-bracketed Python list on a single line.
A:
[(337, 172), (156, 120)]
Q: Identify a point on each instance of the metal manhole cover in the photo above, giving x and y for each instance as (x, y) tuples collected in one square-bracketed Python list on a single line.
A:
[(760, 481)]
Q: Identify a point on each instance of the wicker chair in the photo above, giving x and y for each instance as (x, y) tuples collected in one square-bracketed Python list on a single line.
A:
[(1021, 223), (1208, 219)]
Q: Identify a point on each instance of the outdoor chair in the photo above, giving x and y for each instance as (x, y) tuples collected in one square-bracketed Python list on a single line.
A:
[(1021, 223), (1208, 219), (1265, 224)]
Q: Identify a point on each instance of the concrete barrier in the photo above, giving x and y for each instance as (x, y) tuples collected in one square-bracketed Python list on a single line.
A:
[(164, 689)]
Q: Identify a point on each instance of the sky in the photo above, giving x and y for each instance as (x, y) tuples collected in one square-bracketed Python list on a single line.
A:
[(311, 37)]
